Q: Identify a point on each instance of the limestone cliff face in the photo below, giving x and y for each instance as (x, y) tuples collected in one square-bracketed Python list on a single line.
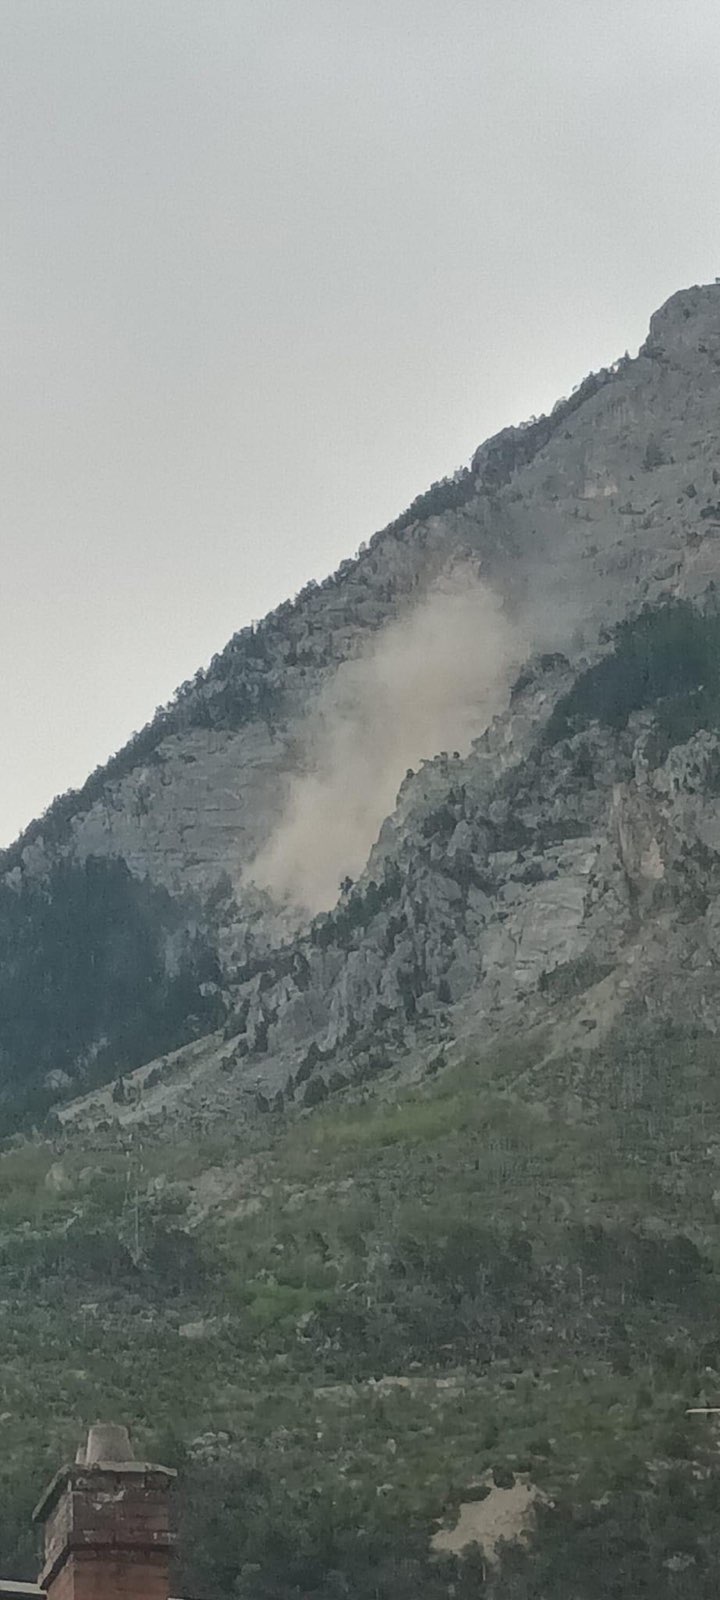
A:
[(606, 504), (528, 886), (500, 867), (505, 884), (205, 796)]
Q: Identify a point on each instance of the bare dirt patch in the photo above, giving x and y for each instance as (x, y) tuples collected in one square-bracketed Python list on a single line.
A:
[(502, 1514)]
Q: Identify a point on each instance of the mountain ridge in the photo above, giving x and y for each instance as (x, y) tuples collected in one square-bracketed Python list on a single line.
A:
[(568, 526), (492, 463)]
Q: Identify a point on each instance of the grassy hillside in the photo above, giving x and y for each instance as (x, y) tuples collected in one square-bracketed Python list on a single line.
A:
[(339, 1327)]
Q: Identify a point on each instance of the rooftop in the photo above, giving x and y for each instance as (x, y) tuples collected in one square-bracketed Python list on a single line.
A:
[(18, 1591)]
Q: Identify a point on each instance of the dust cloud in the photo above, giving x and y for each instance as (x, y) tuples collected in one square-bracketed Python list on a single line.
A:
[(432, 680)]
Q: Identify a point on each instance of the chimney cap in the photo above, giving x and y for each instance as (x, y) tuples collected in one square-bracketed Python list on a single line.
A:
[(106, 1442)]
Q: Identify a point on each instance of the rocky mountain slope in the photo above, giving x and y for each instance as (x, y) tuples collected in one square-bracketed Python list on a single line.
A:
[(358, 1042), (570, 524)]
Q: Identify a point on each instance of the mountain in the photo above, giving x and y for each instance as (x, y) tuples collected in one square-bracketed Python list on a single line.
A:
[(358, 1044)]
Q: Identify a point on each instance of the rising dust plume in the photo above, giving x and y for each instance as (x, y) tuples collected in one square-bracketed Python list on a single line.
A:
[(432, 680)]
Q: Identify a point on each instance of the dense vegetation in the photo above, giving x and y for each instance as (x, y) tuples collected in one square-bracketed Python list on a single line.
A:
[(666, 659), (97, 973), (339, 1324)]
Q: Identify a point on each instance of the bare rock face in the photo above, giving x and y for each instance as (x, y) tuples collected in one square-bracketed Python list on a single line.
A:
[(207, 795), (577, 520), (508, 872)]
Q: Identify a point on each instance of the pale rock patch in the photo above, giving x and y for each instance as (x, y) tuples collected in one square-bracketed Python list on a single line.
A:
[(504, 1514)]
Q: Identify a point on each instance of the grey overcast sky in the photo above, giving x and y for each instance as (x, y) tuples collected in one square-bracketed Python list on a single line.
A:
[(271, 266)]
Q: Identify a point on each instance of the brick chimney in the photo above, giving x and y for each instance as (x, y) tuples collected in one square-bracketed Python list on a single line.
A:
[(106, 1524)]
